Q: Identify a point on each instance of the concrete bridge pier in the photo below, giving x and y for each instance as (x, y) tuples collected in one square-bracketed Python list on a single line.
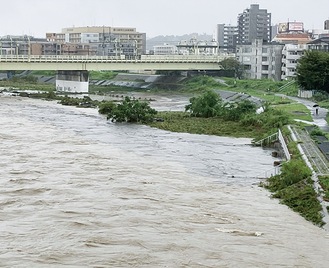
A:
[(72, 81)]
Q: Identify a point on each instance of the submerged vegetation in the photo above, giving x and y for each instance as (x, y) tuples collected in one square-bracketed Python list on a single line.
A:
[(294, 187), (209, 114), (129, 110)]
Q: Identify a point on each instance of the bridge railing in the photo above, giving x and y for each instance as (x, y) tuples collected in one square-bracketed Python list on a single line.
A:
[(115, 59)]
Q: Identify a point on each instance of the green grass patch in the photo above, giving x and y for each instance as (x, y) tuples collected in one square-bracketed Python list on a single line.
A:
[(294, 187), (23, 85), (302, 198), (324, 182), (102, 75), (183, 122), (296, 111)]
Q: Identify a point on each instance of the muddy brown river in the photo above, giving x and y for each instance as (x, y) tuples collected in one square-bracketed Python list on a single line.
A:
[(78, 191)]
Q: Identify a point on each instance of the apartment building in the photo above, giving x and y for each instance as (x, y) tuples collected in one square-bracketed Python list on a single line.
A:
[(107, 41), (291, 53), (227, 37), (261, 60), (254, 23)]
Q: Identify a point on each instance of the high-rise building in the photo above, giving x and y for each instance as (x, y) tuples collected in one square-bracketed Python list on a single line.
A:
[(326, 25), (254, 23), (227, 37)]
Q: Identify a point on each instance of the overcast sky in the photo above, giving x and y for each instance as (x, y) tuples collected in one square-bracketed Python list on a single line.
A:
[(153, 17)]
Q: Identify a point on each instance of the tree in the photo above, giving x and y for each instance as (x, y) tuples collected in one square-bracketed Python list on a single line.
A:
[(232, 64), (206, 105), (313, 71), (132, 111), (238, 110), (106, 107)]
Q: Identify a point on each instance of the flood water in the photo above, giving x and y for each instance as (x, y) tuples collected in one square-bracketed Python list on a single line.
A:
[(78, 191)]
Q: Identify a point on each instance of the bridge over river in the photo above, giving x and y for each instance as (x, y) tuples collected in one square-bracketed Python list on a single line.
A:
[(113, 63), (72, 71)]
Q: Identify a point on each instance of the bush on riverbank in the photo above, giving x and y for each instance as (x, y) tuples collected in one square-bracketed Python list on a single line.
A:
[(294, 188), (129, 110)]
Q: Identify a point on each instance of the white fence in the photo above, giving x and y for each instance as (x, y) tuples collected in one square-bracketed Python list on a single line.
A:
[(284, 145)]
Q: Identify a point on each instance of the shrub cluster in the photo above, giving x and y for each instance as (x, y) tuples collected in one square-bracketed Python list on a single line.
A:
[(129, 110), (209, 104), (294, 187)]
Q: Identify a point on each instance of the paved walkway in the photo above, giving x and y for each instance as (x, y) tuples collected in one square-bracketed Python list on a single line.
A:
[(315, 158), (320, 118)]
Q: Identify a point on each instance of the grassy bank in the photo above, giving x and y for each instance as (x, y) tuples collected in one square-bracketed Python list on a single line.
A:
[(183, 122), (294, 187)]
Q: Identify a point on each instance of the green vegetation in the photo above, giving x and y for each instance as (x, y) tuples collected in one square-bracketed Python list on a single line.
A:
[(233, 65), (324, 182), (129, 110), (102, 75), (84, 102), (28, 82), (295, 110), (183, 122), (294, 187), (200, 84), (262, 87), (207, 114), (207, 105), (313, 70)]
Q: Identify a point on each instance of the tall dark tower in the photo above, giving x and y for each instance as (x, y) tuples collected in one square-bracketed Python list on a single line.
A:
[(254, 23), (326, 24)]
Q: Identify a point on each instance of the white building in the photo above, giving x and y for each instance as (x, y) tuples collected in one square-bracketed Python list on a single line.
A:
[(165, 49), (261, 60), (291, 53), (319, 33)]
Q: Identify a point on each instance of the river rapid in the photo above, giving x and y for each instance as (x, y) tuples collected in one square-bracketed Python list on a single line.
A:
[(78, 191)]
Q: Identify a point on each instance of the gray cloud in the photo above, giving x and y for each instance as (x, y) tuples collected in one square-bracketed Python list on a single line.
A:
[(36, 17)]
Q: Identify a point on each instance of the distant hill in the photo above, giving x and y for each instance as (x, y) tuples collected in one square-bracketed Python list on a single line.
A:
[(174, 39)]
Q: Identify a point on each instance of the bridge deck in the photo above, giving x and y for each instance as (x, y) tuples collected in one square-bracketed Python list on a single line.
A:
[(144, 62)]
